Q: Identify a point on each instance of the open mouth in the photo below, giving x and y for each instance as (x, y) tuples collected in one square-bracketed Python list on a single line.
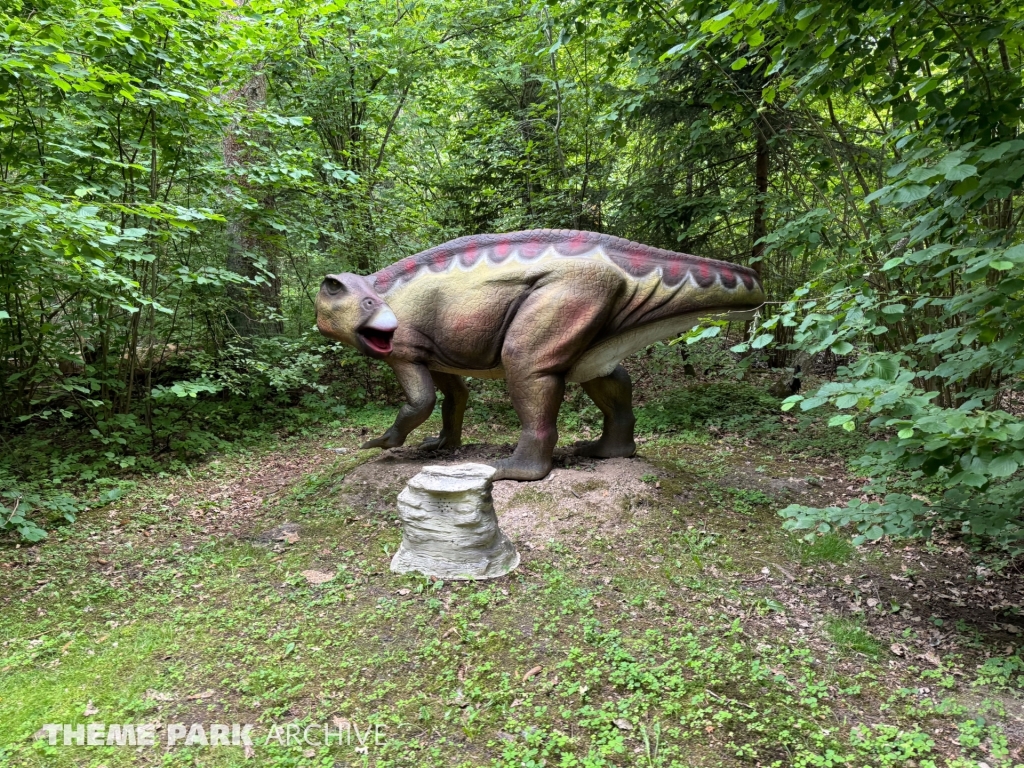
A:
[(378, 341)]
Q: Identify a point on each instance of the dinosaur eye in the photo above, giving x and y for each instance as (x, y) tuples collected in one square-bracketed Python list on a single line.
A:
[(368, 303), (332, 286)]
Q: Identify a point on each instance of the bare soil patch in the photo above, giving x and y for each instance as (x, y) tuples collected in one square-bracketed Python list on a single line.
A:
[(580, 496)]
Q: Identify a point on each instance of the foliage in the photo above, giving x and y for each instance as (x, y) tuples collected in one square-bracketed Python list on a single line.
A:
[(176, 177), (700, 404), (921, 277)]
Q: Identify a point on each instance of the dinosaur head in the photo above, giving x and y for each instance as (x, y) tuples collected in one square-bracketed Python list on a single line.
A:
[(348, 309)]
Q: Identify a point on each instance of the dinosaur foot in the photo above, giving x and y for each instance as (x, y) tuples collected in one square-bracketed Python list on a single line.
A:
[(521, 469), (605, 449), (439, 443)]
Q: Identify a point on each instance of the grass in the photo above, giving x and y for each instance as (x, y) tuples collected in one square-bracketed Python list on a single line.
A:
[(828, 548), (850, 636), (661, 644)]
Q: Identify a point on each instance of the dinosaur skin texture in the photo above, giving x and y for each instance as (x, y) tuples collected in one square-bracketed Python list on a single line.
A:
[(538, 308)]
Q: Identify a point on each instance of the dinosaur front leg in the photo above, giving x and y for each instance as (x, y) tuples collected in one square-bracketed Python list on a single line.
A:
[(453, 408), (536, 399), (613, 395), (419, 393)]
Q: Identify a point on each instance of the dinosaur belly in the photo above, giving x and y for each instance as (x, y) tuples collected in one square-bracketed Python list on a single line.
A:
[(601, 359), (488, 373)]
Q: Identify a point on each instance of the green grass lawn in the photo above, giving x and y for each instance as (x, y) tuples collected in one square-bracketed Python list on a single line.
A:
[(695, 633)]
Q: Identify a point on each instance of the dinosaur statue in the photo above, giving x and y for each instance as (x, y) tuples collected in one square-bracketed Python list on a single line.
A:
[(538, 308)]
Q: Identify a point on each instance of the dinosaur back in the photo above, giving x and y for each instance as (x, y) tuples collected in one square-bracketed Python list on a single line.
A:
[(636, 260)]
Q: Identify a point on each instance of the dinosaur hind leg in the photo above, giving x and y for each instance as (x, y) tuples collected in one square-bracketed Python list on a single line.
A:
[(613, 394), (453, 408)]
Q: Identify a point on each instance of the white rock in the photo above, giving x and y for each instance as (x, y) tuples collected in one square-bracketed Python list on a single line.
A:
[(449, 526)]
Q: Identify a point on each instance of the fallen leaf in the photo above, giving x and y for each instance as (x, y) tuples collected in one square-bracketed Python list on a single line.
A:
[(158, 696), (309, 753), (340, 722), (289, 538), (90, 710), (42, 733), (623, 724), (317, 577), (204, 695), (872, 602), (404, 592), (536, 670), (897, 649), (932, 657), (250, 753)]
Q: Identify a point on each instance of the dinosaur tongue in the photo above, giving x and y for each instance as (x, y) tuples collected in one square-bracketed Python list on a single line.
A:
[(378, 341)]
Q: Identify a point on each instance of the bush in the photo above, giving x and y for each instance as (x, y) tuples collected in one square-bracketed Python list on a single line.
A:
[(721, 404)]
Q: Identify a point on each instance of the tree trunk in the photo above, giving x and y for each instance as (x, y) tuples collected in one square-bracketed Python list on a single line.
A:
[(761, 156), (254, 310)]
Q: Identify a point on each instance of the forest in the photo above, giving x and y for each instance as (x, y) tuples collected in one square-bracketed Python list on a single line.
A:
[(177, 177)]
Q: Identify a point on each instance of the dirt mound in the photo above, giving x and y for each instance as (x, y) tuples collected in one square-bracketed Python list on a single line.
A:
[(580, 498)]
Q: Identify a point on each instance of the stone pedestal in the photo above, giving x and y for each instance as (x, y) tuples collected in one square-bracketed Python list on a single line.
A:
[(449, 527)]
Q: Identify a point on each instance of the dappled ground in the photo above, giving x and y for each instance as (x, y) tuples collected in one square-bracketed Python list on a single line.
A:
[(660, 616)]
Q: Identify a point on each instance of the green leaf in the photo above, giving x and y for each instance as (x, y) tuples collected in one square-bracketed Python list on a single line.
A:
[(911, 193), (1002, 466), (740, 63), (762, 341), (842, 348), (790, 401), (961, 172), (885, 368), (812, 402), (874, 533), (1001, 265), (846, 401), (716, 23), (973, 479), (31, 533), (905, 434)]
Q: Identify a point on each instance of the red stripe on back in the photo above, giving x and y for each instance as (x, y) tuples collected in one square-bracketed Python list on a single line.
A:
[(470, 254), (673, 272), (531, 249)]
